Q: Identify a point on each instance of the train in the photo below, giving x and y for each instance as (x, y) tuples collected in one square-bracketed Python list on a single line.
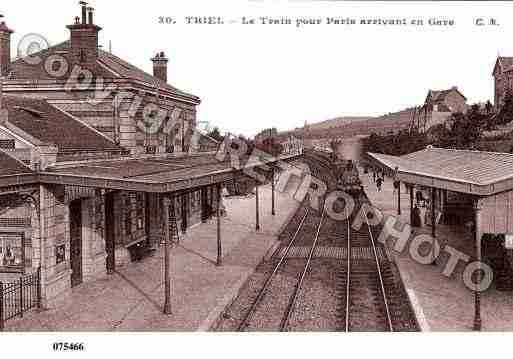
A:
[(348, 177), (344, 172)]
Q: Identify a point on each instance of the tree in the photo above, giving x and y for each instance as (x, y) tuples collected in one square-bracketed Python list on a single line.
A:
[(462, 131), (216, 134), (396, 144), (505, 114)]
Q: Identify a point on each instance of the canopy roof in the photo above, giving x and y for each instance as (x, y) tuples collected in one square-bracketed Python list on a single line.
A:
[(473, 172), (151, 174)]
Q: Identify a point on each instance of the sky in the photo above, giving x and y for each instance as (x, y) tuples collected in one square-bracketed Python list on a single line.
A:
[(252, 77)]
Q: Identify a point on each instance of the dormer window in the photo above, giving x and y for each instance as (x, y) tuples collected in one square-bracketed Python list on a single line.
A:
[(7, 144)]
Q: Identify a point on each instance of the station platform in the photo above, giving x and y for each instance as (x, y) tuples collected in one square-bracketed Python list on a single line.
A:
[(132, 298), (441, 303)]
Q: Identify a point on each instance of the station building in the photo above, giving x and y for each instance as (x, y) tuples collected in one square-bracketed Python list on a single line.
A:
[(90, 146)]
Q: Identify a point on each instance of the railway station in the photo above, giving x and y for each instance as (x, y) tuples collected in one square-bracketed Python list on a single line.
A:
[(118, 214), (466, 205)]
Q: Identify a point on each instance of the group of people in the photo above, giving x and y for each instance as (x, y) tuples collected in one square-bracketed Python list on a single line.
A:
[(420, 201), (378, 177)]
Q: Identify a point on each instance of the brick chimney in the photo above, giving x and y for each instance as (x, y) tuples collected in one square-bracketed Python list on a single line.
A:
[(160, 66), (5, 49), (84, 36)]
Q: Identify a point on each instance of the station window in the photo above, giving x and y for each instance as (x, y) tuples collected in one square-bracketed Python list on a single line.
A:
[(7, 144), (134, 212), (139, 210), (12, 252)]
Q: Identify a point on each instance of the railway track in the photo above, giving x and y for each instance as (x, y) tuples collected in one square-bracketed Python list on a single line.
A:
[(325, 276), (370, 296), (274, 304)]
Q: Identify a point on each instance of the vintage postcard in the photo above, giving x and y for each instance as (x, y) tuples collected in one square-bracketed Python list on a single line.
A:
[(174, 173)]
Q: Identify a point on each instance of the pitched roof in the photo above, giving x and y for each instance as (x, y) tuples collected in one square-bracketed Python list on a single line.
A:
[(24, 69), (11, 166), (440, 95), (485, 169), (47, 124), (107, 66), (506, 63), (126, 70)]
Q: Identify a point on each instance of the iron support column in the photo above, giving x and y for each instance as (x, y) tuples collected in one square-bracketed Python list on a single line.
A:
[(411, 203), (273, 209), (477, 236), (257, 212), (167, 256), (433, 223), (398, 198), (218, 213)]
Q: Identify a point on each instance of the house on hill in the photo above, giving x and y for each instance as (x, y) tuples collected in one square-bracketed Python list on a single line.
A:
[(503, 79), (451, 100), (440, 105)]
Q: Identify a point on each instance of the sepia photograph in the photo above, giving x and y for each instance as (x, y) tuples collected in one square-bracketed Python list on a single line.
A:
[(316, 174)]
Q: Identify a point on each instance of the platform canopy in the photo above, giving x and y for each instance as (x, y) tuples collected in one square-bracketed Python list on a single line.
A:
[(474, 172), (156, 174)]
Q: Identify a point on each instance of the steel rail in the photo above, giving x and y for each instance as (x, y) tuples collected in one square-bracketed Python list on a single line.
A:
[(348, 269), (285, 321), (389, 320), (262, 291)]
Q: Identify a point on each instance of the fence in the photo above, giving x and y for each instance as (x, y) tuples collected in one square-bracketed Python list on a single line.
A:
[(19, 297)]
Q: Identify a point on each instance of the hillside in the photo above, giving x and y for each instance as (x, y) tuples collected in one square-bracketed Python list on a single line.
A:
[(356, 126), (339, 121)]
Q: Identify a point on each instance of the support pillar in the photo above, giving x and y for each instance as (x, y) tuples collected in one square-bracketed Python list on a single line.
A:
[(211, 202), (184, 206), (443, 202), (433, 223), (218, 213), (203, 205), (412, 188), (398, 198), (477, 237), (167, 254), (273, 209), (433, 219), (257, 209), (110, 233), (147, 219), (40, 204)]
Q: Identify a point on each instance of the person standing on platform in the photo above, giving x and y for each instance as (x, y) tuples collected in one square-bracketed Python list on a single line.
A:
[(419, 197), (416, 220), (397, 186), (379, 182)]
